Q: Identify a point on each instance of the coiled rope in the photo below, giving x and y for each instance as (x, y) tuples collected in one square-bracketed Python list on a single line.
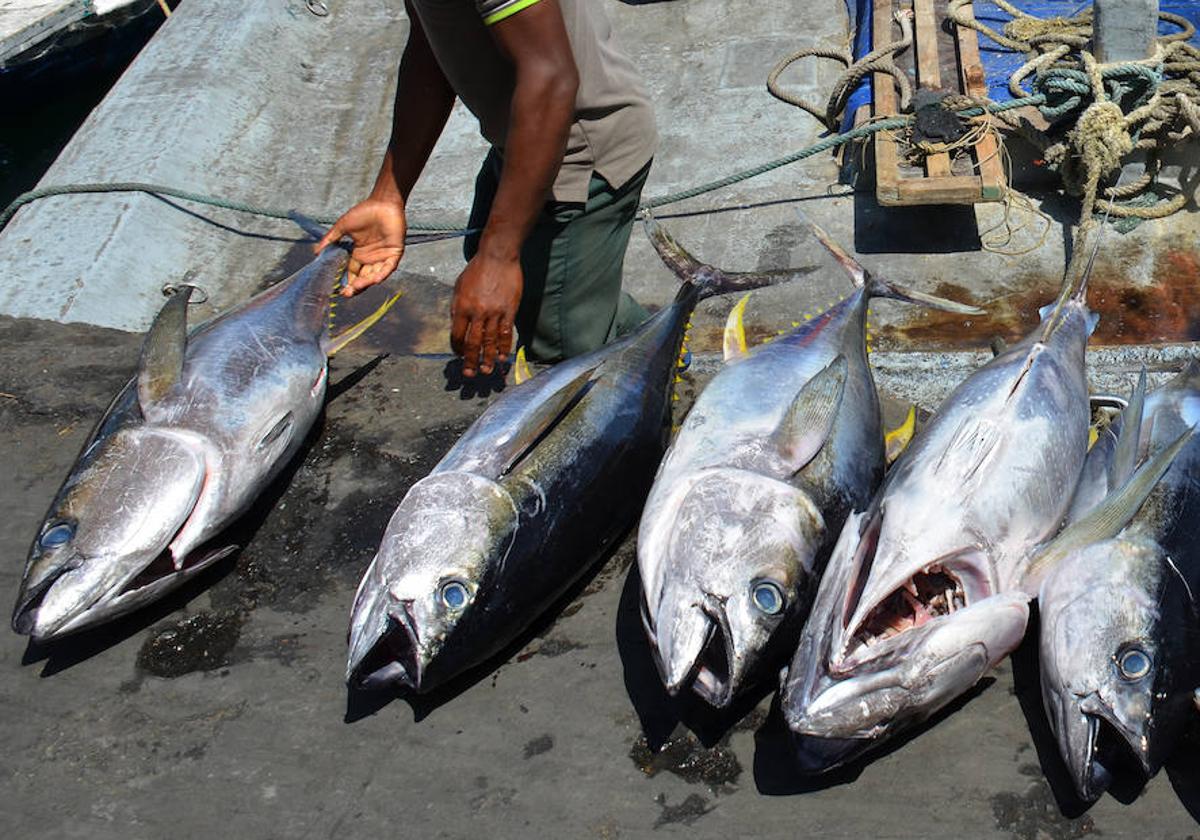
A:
[(1115, 109)]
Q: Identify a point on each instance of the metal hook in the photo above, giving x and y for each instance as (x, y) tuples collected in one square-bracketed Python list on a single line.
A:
[(317, 7), (170, 289)]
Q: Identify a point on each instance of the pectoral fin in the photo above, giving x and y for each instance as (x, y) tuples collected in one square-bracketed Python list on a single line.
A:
[(553, 408), (1125, 456), (1108, 518), (163, 349), (809, 419)]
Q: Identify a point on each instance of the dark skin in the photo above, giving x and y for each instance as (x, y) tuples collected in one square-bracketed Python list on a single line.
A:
[(489, 289)]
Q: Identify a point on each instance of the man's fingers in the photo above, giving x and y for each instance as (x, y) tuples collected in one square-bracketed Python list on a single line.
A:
[(335, 233), (504, 338), (487, 352), (458, 330), (471, 348)]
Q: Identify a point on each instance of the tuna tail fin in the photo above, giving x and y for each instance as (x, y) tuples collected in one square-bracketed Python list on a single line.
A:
[(876, 286), (708, 279), (339, 342), (1110, 517)]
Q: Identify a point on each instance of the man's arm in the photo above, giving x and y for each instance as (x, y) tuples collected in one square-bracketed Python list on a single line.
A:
[(377, 224), (543, 107)]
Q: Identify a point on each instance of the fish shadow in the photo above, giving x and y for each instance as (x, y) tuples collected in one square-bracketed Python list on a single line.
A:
[(660, 714), (474, 387), (1126, 785), (362, 702), (1183, 771), (778, 770), (63, 654)]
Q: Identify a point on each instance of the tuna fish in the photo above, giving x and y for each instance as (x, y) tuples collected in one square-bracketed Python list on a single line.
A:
[(1120, 624), (927, 589), (783, 443), (184, 449), (535, 491)]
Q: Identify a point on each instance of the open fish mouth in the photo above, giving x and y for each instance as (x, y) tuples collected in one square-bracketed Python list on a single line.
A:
[(147, 583), (931, 593), (393, 661), (712, 673), (1109, 751)]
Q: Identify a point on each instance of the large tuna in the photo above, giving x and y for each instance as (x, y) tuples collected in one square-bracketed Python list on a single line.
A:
[(926, 590), (183, 450), (783, 443), (541, 484), (1120, 623)]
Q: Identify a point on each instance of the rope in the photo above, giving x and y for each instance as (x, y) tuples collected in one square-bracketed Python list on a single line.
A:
[(823, 145), (1116, 108), (880, 60)]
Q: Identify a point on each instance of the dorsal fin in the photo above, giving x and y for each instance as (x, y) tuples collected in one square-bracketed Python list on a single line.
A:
[(520, 368), (898, 438), (163, 349), (735, 331), (809, 419)]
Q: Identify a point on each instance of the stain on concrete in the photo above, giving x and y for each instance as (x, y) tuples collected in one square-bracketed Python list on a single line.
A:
[(692, 808), (201, 642), (539, 745), (684, 756), (1034, 815), (1166, 309)]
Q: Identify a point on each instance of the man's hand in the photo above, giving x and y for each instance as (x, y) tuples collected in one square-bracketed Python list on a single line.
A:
[(377, 227), (482, 312)]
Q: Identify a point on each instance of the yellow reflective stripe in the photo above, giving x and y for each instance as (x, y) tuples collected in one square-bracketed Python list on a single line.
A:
[(508, 11)]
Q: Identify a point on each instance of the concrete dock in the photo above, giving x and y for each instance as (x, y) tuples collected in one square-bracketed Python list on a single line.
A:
[(222, 710)]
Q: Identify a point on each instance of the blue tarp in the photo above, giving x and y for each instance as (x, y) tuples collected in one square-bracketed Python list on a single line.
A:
[(999, 63)]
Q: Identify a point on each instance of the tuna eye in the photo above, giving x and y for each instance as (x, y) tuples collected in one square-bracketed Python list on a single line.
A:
[(768, 597), (1134, 664), (57, 535), (454, 595)]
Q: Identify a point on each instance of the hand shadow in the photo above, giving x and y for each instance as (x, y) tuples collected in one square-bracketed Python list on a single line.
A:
[(478, 386)]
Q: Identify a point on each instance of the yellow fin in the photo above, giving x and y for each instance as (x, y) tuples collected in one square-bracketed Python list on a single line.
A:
[(735, 331), (897, 439), (1093, 436), (520, 368), (339, 341)]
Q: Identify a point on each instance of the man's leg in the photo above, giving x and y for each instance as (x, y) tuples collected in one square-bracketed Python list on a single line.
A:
[(582, 305), (572, 301)]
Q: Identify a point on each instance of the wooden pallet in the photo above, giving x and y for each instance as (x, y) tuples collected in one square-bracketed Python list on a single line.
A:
[(978, 177)]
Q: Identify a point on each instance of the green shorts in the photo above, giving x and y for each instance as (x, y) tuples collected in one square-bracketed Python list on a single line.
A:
[(572, 260)]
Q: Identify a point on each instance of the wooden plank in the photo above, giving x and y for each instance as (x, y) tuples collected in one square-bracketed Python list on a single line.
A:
[(23, 23), (887, 167), (951, 189), (974, 82), (929, 74)]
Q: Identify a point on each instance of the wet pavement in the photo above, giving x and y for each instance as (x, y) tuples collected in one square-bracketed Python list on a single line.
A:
[(223, 709)]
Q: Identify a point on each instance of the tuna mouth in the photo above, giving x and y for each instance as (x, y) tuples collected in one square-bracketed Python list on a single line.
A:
[(393, 661), (1110, 755), (712, 674), (931, 593), (151, 581)]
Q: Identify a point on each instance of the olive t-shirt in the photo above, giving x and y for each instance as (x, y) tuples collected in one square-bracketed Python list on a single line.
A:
[(613, 133)]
